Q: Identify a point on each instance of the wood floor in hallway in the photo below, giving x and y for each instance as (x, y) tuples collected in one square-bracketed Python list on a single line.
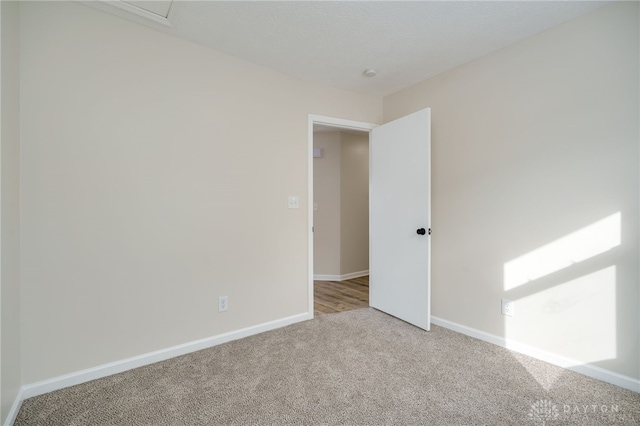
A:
[(339, 296)]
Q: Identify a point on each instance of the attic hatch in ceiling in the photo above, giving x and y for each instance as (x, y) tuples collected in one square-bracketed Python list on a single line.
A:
[(160, 8), (153, 10)]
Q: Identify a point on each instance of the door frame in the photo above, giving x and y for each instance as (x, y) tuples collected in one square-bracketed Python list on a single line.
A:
[(338, 123)]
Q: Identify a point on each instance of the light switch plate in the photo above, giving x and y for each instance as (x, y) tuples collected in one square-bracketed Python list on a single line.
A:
[(294, 202)]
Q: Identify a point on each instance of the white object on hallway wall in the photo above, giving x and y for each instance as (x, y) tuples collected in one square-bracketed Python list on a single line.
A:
[(318, 152)]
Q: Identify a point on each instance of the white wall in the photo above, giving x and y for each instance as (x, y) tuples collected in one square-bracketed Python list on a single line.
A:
[(354, 203), (10, 367), (531, 144), (326, 193), (155, 176), (341, 190)]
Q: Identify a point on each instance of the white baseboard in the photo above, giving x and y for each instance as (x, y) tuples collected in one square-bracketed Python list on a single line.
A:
[(326, 278), (344, 277), (570, 364), (105, 370), (13, 413), (39, 388)]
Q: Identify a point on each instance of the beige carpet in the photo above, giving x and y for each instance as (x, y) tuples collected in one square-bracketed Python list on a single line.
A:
[(359, 368)]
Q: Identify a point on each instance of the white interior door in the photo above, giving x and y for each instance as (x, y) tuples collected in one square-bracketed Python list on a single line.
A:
[(400, 206)]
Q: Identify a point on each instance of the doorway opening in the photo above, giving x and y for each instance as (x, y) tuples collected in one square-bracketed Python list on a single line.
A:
[(399, 215), (338, 214)]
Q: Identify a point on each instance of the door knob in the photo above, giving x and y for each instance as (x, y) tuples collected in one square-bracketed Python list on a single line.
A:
[(421, 231)]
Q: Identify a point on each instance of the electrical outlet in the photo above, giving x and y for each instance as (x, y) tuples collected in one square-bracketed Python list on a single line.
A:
[(223, 303), (507, 307)]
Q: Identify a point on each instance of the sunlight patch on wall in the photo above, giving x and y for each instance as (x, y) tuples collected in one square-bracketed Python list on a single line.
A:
[(583, 244), (575, 320)]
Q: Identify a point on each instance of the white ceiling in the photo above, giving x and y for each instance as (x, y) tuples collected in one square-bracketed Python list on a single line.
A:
[(333, 42)]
